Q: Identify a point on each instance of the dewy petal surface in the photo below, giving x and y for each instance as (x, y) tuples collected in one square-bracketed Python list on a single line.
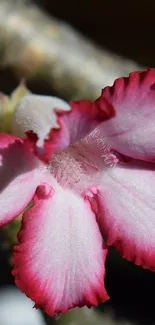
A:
[(20, 173), (126, 210), (131, 132), (59, 262), (55, 123)]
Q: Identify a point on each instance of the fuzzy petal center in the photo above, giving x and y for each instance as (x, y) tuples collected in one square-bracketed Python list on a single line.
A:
[(79, 166)]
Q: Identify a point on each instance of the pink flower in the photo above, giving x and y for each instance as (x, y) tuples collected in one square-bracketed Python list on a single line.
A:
[(96, 175)]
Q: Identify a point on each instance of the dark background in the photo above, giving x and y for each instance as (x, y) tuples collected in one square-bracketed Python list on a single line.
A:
[(126, 27)]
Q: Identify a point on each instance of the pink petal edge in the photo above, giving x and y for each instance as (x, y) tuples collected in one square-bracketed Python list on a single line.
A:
[(131, 132), (125, 209), (20, 172), (59, 262)]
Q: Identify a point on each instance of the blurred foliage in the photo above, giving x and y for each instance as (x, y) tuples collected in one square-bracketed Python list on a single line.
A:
[(36, 46)]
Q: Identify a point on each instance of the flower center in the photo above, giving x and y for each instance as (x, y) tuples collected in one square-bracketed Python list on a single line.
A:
[(80, 165)]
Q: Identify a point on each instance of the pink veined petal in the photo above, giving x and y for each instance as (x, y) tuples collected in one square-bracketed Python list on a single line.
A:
[(126, 211), (59, 262), (131, 132), (55, 124), (20, 173)]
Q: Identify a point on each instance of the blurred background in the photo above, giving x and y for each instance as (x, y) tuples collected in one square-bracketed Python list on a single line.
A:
[(73, 49)]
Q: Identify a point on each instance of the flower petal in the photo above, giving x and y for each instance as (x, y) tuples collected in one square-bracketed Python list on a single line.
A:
[(131, 132), (38, 114), (52, 120), (59, 262), (20, 173), (126, 211)]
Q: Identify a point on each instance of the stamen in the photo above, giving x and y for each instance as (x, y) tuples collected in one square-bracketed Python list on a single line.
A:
[(104, 149)]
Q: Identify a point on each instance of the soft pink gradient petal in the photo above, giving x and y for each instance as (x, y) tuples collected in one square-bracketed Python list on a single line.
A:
[(126, 211), (20, 173), (131, 132), (59, 262), (53, 125)]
